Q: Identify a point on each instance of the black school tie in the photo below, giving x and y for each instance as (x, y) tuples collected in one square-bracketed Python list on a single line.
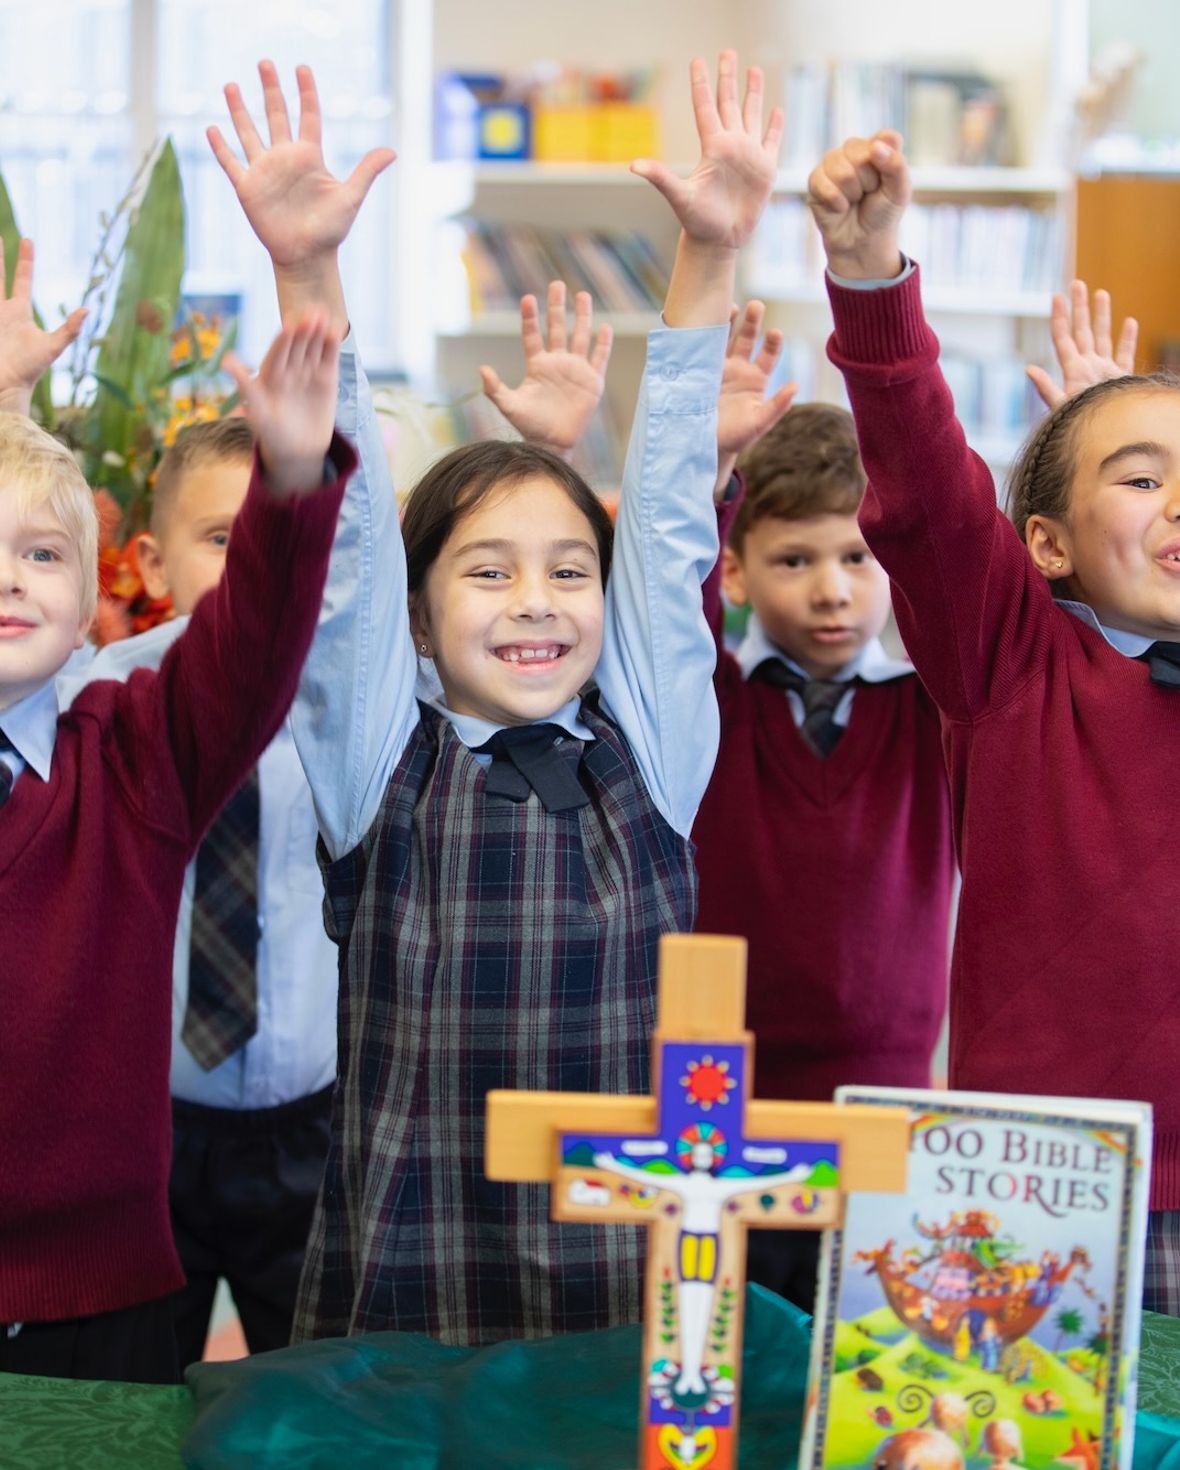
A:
[(528, 758), (1163, 659), (820, 698), (6, 775), (222, 1013)]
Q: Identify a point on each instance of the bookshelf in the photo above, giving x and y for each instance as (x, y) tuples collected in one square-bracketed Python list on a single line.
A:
[(1037, 53)]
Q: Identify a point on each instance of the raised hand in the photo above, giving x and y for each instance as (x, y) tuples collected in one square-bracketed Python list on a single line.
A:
[(744, 412), (722, 199), (1085, 350), (291, 404), (857, 195), (299, 211), (563, 383), (26, 350)]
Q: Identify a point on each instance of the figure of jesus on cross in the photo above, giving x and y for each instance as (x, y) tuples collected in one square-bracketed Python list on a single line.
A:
[(699, 1164)]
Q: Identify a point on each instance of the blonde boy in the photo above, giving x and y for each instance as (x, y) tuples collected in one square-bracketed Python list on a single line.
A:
[(101, 808)]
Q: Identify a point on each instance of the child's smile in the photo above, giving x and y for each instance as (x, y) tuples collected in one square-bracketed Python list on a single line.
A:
[(512, 608), (1121, 536), (40, 599)]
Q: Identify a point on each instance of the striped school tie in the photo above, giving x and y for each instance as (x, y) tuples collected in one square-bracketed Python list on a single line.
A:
[(222, 1013), (820, 698), (1163, 659), (6, 774)]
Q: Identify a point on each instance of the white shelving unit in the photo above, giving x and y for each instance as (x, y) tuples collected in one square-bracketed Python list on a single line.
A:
[(1036, 48)]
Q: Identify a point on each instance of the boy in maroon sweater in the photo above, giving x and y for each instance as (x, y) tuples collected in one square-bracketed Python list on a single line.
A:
[(101, 809), (824, 837), (1052, 652)]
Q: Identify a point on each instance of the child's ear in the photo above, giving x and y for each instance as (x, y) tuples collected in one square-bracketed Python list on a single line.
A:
[(733, 577), (420, 630), (151, 566), (1048, 545)]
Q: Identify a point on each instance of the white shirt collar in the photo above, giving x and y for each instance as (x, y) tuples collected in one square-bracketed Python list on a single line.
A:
[(1130, 644), (871, 664), (474, 732), (31, 726)]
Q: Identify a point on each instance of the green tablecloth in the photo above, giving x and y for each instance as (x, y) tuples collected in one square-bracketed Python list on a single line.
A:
[(392, 1400)]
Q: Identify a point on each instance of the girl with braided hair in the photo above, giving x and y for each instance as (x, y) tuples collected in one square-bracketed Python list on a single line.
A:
[(1051, 648)]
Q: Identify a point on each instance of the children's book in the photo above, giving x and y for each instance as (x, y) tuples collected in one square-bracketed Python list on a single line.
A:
[(988, 1318)]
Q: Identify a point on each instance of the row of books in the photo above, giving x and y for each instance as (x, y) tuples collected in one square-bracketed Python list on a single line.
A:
[(948, 115), (994, 400), (620, 269), (979, 246)]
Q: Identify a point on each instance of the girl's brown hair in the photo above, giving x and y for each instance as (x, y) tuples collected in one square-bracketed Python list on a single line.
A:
[(1040, 482), (464, 478)]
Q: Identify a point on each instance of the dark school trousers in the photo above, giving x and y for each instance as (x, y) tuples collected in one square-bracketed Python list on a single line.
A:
[(785, 1261), (243, 1190), (132, 1345)]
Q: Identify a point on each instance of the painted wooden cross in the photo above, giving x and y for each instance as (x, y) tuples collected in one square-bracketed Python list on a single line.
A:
[(699, 1164)]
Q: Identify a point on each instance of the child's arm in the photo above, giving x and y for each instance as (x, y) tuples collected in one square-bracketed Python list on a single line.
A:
[(356, 705), (26, 350), (656, 669), (744, 411), (563, 382), (974, 613), (744, 414), (1086, 353), (225, 685)]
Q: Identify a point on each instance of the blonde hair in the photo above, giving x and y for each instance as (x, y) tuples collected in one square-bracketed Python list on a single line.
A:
[(40, 471)]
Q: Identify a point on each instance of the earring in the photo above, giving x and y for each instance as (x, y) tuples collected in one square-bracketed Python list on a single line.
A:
[(1058, 562), (422, 646)]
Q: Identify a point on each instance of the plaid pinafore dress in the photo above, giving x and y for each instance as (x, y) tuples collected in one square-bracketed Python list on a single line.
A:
[(484, 943)]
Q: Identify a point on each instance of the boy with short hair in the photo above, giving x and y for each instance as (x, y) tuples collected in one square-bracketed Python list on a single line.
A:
[(253, 1028), (101, 808), (825, 834)]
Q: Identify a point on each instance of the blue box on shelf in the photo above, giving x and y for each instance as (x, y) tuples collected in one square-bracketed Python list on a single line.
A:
[(473, 118)]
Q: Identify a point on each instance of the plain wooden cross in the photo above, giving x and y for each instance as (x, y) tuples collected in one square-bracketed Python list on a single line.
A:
[(699, 1164)]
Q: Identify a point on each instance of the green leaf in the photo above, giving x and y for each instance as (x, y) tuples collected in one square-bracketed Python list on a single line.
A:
[(10, 233), (153, 266), (115, 390)]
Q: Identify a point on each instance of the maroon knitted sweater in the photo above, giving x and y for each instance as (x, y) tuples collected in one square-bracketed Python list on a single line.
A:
[(1064, 977), (838, 872), (91, 867)]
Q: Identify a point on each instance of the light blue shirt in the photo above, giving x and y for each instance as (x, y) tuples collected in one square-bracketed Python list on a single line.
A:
[(357, 703), (872, 664), (293, 1052)]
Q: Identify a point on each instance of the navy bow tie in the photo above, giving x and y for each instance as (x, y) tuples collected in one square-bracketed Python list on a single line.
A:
[(527, 758), (1163, 659)]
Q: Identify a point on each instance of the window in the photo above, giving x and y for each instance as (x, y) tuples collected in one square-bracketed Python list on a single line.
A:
[(73, 114)]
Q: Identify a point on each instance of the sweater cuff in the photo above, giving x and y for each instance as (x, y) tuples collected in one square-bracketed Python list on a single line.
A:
[(884, 327)]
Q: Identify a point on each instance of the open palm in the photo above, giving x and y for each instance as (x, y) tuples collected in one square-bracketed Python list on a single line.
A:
[(291, 403), (563, 381), (1083, 344), (296, 207), (27, 350), (722, 199)]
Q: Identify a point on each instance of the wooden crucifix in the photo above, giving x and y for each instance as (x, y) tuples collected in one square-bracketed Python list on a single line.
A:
[(699, 1164)]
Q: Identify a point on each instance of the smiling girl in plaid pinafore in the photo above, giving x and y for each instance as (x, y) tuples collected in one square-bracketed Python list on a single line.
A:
[(498, 898)]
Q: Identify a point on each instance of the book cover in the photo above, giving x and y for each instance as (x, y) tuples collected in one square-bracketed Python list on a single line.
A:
[(988, 1318)]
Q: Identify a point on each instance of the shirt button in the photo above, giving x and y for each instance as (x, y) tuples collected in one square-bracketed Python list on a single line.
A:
[(671, 373)]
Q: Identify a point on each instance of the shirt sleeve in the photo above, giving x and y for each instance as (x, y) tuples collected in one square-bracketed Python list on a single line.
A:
[(973, 612), (356, 705), (658, 654), (183, 739)]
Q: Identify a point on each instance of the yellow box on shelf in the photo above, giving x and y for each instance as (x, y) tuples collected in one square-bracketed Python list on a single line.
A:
[(602, 132)]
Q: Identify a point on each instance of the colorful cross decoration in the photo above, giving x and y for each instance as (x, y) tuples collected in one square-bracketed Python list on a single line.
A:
[(699, 1164)]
